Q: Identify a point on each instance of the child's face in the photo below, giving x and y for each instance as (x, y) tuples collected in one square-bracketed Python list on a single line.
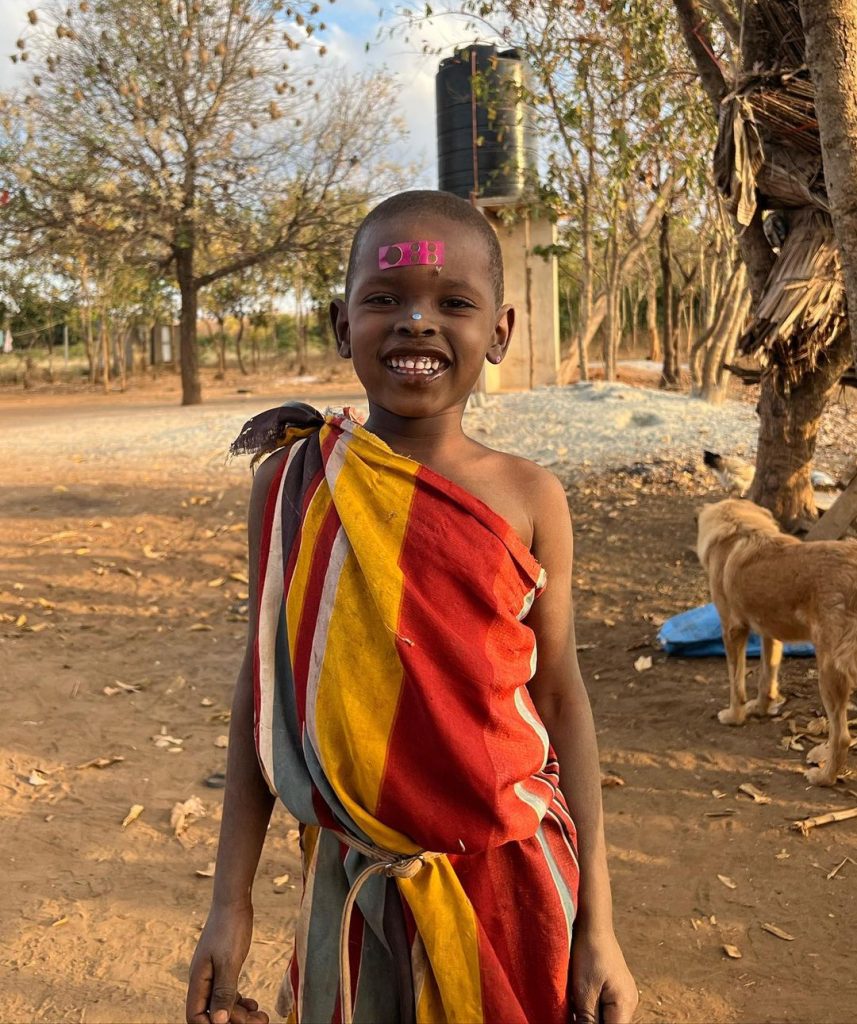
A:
[(457, 327)]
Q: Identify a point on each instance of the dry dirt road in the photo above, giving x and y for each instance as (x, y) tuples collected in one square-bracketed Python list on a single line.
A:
[(122, 593)]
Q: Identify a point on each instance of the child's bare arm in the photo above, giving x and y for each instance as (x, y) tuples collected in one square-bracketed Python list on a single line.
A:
[(601, 985), (247, 805)]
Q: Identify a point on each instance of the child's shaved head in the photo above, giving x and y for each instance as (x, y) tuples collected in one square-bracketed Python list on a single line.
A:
[(426, 202)]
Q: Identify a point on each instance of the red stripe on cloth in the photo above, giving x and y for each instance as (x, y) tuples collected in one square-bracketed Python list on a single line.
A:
[(458, 743), (295, 977), (264, 554), (523, 946)]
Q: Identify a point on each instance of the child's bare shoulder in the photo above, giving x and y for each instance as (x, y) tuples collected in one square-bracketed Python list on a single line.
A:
[(529, 496)]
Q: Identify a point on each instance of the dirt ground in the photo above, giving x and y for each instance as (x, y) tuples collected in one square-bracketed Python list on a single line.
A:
[(122, 603)]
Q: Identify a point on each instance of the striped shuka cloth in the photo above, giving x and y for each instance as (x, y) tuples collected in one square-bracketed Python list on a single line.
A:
[(391, 708)]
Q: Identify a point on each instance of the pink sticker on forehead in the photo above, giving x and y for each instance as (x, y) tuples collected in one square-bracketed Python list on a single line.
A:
[(410, 254)]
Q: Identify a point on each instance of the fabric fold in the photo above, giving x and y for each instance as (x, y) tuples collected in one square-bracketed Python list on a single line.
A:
[(391, 663)]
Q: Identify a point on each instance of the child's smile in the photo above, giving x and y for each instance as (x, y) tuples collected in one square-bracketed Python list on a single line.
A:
[(417, 367)]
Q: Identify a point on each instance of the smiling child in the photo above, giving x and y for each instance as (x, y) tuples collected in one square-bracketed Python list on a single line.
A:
[(410, 688)]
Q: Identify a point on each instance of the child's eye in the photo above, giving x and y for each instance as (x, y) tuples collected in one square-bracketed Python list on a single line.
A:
[(380, 300), (457, 303)]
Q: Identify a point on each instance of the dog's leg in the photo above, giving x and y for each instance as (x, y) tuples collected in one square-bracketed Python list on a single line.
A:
[(833, 755), (768, 700), (735, 642)]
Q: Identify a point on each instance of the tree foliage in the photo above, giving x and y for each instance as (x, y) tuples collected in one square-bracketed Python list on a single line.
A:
[(196, 138)]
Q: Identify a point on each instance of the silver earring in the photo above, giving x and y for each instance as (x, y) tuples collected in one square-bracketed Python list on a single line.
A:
[(416, 316)]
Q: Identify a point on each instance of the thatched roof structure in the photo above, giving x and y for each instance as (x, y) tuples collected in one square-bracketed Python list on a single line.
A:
[(768, 156)]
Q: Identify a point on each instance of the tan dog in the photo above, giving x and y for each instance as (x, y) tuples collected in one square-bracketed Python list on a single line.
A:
[(783, 589)]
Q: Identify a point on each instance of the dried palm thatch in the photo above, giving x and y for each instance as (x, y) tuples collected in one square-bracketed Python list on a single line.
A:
[(803, 308), (782, 20), (768, 157)]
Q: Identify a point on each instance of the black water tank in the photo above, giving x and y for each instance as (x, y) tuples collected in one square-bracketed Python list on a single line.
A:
[(486, 144)]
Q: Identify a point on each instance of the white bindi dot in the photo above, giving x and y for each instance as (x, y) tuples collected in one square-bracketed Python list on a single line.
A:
[(416, 316)]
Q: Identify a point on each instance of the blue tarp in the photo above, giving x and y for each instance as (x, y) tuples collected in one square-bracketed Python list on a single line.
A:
[(697, 634)]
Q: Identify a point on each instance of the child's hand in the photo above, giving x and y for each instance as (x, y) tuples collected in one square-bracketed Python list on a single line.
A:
[(212, 992), (602, 988)]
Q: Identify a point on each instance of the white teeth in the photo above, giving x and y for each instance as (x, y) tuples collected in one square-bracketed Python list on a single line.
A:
[(425, 365)]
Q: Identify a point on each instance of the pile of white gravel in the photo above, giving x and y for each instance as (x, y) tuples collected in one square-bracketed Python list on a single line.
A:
[(577, 430), (597, 426)]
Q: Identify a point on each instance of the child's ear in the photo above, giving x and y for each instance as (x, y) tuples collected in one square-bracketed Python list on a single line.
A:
[(339, 322), (502, 335)]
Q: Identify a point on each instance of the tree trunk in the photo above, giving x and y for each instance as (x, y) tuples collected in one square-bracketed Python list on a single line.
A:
[(670, 371), (729, 305), (238, 338), (830, 27), (188, 353), (254, 347), (49, 339), (787, 437), (105, 352), (586, 284), (88, 339), (715, 377), (301, 338), (652, 315), (121, 342), (609, 338), (628, 261), (220, 342), (613, 320)]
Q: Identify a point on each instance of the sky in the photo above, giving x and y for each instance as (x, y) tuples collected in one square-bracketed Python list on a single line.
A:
[(351, 24)]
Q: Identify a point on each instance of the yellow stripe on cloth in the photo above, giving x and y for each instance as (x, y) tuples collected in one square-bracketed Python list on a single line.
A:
[(319, 507), (445, 919), (360, 684)]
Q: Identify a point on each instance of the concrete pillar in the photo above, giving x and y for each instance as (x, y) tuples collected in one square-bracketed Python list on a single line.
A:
[(531, 287)]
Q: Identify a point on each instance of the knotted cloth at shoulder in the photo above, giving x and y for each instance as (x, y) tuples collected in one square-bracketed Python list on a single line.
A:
[(272, 429)]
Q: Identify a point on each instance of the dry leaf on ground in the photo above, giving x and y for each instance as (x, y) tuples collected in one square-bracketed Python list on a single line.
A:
[(37, 778), (757, 796), (185, 814), (132, 815), (772, 929), (643, 663), (733, 952), (839, 867), (609, 779), (222, 742), (165, 741), (728, 882), (206, 872), (101, 762), (281, 879)]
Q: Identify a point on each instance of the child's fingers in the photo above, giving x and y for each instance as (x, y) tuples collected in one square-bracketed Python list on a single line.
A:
[(224, 995), (254, 1014), (198, 993)]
